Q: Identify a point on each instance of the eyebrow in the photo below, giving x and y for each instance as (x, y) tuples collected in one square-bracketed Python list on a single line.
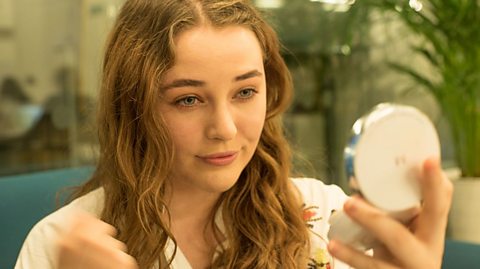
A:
[(250, 74), (178, 83)]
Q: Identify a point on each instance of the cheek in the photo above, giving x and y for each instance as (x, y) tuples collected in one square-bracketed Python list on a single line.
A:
[(183, 132), (252, 124), (257, 127)]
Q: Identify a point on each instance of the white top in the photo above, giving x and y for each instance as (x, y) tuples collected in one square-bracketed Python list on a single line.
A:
[(39, 251)]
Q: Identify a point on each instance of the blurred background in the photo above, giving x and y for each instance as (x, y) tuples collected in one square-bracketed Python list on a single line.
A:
[(339, 51)]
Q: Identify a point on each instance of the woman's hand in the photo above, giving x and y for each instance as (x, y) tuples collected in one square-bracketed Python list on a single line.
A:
[(90, 243), (418, 245)]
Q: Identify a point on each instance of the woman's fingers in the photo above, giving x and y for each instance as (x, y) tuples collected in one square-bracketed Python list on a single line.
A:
[(420, 245), (113, 243), (437, 193), (391, 233), (104, 232), (355, 258), (90, 243)]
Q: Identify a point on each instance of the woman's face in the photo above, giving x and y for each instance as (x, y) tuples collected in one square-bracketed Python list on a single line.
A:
[(214, 105)]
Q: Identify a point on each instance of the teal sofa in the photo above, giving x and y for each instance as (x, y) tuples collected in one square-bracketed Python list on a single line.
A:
[(25, 199), (461, 255)]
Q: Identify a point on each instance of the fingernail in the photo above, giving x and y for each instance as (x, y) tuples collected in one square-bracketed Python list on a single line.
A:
[(332, 246), (350, 205), (431, 163)]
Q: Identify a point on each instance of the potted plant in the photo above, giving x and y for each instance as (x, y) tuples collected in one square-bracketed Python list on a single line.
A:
[(450, 30)]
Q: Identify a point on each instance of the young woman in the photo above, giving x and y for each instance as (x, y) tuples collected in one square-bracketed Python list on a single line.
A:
[(194, 167)]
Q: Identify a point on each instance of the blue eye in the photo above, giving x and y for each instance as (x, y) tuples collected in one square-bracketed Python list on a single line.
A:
[(246, 93), (187, 101)]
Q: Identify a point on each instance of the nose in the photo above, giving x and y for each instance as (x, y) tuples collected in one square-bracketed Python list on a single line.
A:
[(222, 124)]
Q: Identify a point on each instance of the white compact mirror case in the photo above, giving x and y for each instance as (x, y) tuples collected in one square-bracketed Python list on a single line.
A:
[(383, 161)]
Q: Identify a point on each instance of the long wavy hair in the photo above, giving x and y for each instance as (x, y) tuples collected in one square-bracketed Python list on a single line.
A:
[(262, 211)]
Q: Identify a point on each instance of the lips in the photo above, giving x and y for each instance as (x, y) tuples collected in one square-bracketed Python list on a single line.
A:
[(220, 159)]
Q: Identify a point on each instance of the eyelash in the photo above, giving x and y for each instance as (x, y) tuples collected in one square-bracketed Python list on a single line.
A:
[(251, 91), (181, 102)]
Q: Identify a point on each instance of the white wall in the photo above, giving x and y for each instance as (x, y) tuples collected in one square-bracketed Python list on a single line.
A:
[(41, 41), (97, 19)]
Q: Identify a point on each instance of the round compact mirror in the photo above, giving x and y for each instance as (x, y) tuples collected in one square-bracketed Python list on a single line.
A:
[(385, 155)]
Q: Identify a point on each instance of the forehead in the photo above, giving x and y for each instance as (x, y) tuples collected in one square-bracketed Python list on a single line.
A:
[(208, 46)]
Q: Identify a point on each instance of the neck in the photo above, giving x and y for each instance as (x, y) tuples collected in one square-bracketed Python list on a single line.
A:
[(191, 211), (191, 207)]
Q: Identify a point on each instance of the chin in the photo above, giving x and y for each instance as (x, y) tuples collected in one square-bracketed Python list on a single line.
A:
[(220, 184)]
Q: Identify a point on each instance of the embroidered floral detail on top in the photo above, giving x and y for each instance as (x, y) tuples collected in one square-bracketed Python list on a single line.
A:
[(309, 214), (321, 258)]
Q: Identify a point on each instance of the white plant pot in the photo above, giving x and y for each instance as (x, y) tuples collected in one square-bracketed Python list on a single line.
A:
[(464, 218)]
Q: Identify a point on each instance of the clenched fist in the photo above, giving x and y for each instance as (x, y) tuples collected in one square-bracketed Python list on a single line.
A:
[(91, 243)]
